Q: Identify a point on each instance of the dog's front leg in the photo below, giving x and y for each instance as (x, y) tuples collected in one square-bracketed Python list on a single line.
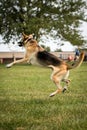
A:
[(16, 62)]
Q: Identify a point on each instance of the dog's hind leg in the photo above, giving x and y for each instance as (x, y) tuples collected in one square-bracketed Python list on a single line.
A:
[(57, 91), (67, 85), (66, 80), (57, 77)]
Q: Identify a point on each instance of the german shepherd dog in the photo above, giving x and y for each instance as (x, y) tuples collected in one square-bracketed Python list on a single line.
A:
[(37, 55)]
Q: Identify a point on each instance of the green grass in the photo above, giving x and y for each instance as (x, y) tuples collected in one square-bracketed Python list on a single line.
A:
[(25, 103)]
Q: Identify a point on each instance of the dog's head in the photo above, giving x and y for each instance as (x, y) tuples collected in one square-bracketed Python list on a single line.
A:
[(26, 39)]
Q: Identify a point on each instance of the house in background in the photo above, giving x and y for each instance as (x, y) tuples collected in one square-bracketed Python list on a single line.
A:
[(9, 54), (7, 57), (64, 54)]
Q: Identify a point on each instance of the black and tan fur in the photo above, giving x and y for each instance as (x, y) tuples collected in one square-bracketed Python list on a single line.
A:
[(36, 55)]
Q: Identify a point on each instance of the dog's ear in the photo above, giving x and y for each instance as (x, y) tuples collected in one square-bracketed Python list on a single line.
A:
[(24, 35), (33, 34), (34, 37)]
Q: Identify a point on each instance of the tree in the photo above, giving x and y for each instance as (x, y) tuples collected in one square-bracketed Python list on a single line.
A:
[(58, 50), (46, 48), (30, 16)]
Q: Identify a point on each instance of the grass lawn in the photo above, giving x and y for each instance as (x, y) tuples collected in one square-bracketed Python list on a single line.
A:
[(25, 103)]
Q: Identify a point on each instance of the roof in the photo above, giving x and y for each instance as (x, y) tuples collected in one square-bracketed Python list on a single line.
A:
[(11, 54)]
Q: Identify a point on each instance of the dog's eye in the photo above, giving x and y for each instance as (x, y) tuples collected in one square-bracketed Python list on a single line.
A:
[(29, 39), (31, 42)]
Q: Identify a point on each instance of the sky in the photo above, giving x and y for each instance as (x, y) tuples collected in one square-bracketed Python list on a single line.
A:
[(55, 44), (48, 41)]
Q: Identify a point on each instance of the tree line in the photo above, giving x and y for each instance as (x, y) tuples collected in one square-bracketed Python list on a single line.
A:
[(33, 16)]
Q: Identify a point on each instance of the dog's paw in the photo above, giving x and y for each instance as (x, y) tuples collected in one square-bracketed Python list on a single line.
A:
[(52, 94), (64, 89), (8, 65)]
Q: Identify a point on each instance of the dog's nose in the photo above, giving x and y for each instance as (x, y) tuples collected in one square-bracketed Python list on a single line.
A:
[(20, 44)]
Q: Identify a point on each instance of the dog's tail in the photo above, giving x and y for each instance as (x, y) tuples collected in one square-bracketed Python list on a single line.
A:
[(78, 63)]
